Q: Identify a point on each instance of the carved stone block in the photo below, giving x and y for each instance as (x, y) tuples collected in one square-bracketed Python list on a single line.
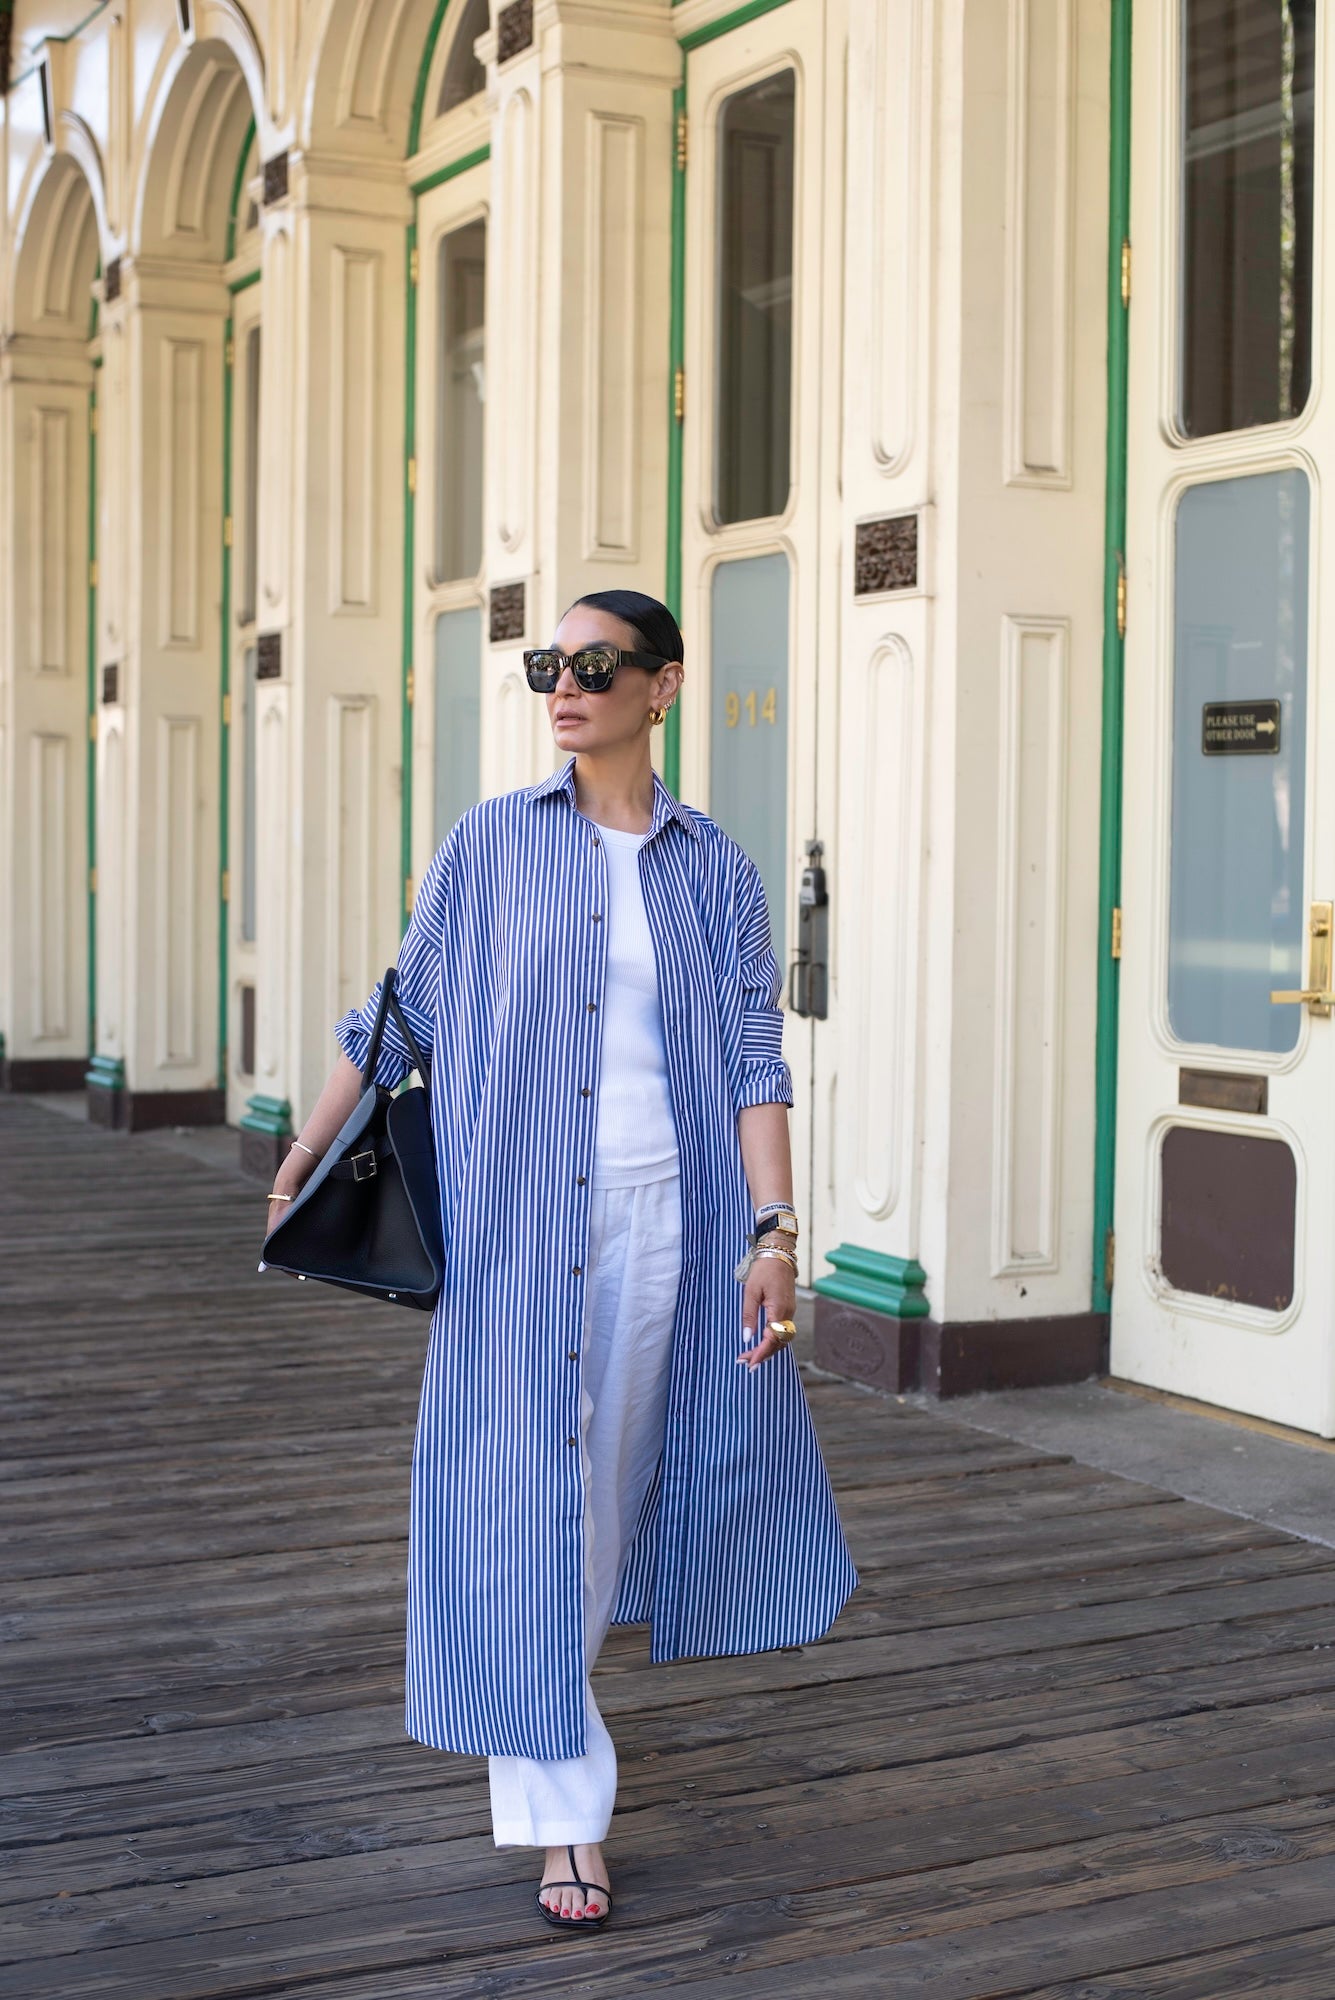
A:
[(885, 555), (514, 29), (507, 613)]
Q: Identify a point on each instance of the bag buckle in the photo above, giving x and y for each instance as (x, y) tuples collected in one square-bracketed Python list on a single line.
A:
[(363, 1166)]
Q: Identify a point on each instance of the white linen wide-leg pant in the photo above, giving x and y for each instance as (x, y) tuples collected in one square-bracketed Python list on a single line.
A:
[(634, 1268)]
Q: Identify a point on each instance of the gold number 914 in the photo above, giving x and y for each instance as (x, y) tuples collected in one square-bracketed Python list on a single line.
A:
[(763, 711)]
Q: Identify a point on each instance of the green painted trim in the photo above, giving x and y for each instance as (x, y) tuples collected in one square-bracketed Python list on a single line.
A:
[(1114, 651), (676, 353), (105, 1073), (727, 22), (91, 785), (270, 1115), (892, 1285), (423, 70), (237, 180), (409, 542), (453, 170), (224, 727), (244, 284)]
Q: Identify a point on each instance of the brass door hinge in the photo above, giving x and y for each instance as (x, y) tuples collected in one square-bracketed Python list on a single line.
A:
[(226, 886), (682, 129), (1121, 595), (1126, 272), (410, 688), (414, 265), (227, 711), (92, 419), (679, 394), (92, 729), (412, 475), (229, 355), (92, 881), (227, 531), (1109, 1260), (407, 895), (1117, 933), (92, 576)]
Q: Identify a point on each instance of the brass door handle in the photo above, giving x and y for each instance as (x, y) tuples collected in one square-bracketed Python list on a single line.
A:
[(1318, 997)]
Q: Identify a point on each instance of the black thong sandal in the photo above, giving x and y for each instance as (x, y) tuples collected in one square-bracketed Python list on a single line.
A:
[(560, 1923)]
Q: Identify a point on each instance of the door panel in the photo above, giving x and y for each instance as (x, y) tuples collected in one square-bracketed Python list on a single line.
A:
[(1225, 1276), (760, 452)]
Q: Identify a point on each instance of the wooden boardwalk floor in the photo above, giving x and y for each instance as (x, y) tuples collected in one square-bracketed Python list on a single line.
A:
[(1073, 1737)]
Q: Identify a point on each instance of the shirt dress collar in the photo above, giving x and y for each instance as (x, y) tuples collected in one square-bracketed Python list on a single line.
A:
[(665, 806)]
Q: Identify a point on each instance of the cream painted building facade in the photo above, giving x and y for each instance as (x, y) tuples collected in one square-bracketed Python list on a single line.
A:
[(344, 342)]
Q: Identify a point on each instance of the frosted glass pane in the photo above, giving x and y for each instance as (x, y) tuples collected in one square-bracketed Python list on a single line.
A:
[(748, 762), (461, 391), (1237, 912), (458, 713), (752, 420), (249, 823)]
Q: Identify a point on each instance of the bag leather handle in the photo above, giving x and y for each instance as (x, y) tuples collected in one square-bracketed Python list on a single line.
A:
[(390, 1003)]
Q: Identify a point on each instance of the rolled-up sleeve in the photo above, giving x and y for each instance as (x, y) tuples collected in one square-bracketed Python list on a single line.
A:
[(764, 1076), (417, 984)]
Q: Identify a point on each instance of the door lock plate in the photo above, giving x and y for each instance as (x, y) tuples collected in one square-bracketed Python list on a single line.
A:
[(1317, 996)]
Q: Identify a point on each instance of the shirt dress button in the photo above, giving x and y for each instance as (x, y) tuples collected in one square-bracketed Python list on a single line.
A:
[(584, 1090), (572, 1441), (573, 1354), (577, 1270), (580, 1181), (597, 916), (593, 1006)]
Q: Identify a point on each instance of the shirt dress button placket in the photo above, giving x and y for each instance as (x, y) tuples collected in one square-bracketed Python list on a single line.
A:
[(585, 1139)]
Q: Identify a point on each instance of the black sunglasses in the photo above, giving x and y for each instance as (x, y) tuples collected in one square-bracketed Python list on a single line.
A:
[(592, 666)]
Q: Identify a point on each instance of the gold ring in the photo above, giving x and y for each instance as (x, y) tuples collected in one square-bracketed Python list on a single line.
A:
[(782, 1330)]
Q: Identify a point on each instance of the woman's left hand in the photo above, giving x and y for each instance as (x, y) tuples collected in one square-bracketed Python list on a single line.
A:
[(772, 1283)]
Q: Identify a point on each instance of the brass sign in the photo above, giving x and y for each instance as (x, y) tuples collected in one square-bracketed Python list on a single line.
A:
[(1240, 729)]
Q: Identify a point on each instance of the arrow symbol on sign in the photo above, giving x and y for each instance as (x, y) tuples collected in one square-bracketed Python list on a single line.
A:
[(1266, 728)]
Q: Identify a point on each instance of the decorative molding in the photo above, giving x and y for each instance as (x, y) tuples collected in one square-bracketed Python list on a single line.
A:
[(269, 656), (1030, 952), (350, 844), (50, 595), (882, 963), (271, 791), (898, 204), (180, 483), (353, 401), (176, 957), (1040, 215), (511, 321), (111, 845), (870, 1278), (614, 233), (885, 555), (514, 30), (49, 850), (506, 614)]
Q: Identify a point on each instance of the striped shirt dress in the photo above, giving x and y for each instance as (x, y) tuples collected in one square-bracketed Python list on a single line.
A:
[(739, 1547)]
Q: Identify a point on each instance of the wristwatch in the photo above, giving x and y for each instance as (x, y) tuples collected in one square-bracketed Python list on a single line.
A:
[(778, 1219)]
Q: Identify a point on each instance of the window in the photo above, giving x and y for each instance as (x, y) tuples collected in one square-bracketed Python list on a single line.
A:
[(464, 75), (458, 715), (753, 416), (1247, 115), (250, 485), (460, 397)]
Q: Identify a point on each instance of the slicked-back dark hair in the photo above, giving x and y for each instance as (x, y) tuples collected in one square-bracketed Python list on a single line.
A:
[(651, 622)]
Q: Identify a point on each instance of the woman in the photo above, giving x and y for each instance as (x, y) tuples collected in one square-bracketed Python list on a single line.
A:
[(589, 972)]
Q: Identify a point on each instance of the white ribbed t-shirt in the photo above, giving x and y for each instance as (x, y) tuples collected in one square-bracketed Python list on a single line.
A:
[(636, 1139)]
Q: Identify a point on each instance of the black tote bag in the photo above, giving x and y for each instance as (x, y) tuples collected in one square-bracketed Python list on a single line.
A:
[(368, 1218)]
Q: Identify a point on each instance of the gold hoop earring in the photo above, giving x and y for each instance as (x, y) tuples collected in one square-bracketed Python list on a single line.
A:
[(657, 715)]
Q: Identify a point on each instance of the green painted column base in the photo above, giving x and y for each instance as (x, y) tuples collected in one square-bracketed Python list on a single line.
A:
[(869, 1278), (266, 1135), (870, 1312)]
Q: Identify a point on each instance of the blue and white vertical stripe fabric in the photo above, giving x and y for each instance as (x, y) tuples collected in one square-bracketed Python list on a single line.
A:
[(739, 1547)]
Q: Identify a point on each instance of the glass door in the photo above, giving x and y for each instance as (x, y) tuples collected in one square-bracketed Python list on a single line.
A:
[(759, 449), (451, 412), (1224, 1276)]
